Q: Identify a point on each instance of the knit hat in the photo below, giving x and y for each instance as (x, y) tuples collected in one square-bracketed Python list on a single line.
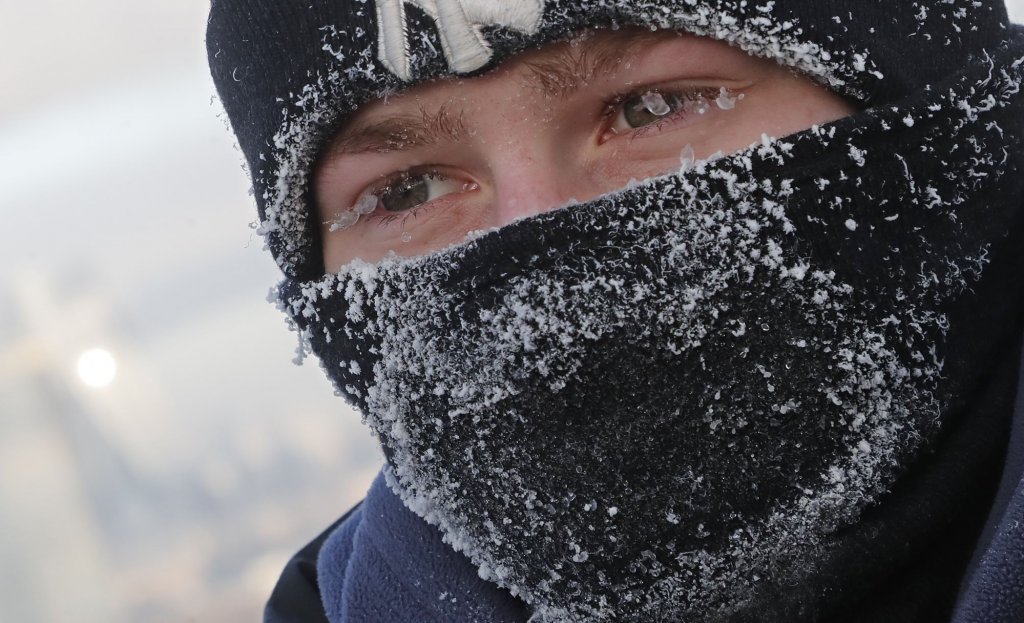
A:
[(291, 72)]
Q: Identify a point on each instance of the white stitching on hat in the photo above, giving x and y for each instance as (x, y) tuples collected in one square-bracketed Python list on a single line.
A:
[(459, 24)]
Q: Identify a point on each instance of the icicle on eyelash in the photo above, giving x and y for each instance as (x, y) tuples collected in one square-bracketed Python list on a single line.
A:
[(726, 100), (655, 103), (365, 205), (346, 219)]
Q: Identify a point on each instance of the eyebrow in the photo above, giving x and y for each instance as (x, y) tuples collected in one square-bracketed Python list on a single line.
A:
[(558, 76), (400, 132)]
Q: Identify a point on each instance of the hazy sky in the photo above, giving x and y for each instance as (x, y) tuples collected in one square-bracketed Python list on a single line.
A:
[(126, 227)]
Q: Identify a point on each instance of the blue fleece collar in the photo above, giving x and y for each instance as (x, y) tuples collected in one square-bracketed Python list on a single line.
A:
[(386, 564)]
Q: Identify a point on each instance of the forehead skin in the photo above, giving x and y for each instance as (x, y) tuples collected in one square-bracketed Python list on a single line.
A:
[(528, 126)]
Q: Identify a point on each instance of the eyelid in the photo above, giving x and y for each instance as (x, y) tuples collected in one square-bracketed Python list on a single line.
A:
[(392, 179)]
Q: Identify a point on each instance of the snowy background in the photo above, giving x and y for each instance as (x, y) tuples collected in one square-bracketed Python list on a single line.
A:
[(160, 456), (177, 489)]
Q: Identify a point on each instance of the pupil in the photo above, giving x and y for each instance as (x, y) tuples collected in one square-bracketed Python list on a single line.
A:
[(405, 195)]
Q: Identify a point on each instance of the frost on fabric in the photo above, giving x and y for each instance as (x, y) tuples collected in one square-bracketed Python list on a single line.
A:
[(310, 115), (672, 396), (306, 117)]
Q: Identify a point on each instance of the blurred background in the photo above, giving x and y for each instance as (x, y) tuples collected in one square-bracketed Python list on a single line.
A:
[(160, 456)]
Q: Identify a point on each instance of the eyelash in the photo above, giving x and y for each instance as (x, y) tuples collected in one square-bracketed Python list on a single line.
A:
[(384, 220)]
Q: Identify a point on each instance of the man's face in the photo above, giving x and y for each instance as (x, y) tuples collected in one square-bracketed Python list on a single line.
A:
[(568, 121)]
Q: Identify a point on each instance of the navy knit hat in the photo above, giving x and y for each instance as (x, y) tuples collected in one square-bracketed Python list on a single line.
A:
[(291, 72)]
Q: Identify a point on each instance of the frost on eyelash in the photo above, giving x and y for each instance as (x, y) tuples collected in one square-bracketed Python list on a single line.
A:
[(726, 100), (656, 104), (347, 218)]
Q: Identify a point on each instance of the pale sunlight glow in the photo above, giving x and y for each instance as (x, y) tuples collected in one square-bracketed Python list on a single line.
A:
[(97, 367)]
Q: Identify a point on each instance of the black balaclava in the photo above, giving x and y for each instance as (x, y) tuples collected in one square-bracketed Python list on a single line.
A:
[(743, 391)]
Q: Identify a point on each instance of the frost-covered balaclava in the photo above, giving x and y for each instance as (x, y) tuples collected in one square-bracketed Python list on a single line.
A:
[(680, 401)]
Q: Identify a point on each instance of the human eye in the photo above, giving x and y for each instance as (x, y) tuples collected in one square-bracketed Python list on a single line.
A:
[(651, 108), (401, 194)]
